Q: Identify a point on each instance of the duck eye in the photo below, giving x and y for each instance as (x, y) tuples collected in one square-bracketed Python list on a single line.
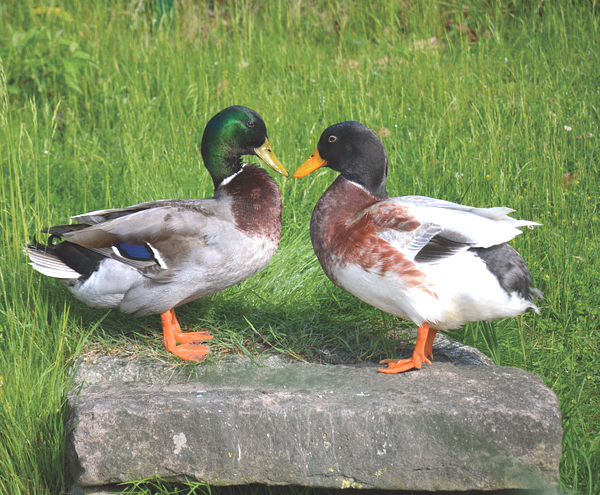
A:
[(332, 139), (250, 124)]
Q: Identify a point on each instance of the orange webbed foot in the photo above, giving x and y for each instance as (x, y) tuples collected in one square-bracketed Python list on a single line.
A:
[(187, 337), (402, 365), (189, 352), (188, 349), (423, 351), (190, 337)]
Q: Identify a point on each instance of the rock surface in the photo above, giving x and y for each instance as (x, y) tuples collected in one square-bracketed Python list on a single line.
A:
[(445, 427)]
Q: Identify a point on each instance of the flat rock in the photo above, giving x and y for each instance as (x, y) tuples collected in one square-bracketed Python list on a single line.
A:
[(445, 427)]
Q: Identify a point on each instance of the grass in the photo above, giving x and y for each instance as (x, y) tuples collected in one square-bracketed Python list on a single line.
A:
[(102, 104)]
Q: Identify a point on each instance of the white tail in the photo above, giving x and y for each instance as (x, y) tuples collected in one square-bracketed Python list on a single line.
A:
[(49, 265)]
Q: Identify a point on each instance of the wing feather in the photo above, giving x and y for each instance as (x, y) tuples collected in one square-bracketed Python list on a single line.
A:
[(145, 223), (428, 230), (124, 233), (205, 206)]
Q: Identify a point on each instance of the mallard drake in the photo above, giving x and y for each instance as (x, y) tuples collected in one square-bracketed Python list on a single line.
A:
[(152, 257), (436, 263)]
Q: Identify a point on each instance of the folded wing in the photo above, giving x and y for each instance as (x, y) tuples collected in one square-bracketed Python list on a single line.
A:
[(428, 230), (145, 236)]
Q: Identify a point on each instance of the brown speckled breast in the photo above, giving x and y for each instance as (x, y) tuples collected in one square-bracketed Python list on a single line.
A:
[(344, 228), (256, 203)]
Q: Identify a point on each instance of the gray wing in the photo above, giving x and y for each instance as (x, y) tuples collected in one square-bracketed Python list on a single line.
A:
[(152, 237), (202, 205)]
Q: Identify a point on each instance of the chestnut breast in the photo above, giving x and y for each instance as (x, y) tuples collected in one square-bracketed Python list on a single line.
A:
[(256, 203), (344, 229)]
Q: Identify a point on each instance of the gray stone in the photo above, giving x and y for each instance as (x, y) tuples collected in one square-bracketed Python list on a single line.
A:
[(94, 490), (445, 427)]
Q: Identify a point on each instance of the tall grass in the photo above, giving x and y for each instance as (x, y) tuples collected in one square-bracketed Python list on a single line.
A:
[(488, 103)]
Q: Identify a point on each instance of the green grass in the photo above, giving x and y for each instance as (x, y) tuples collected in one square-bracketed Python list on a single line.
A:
[(486, 103)]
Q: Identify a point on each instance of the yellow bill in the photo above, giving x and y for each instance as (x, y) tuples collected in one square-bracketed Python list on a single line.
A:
[(313, 163), (266, 154)]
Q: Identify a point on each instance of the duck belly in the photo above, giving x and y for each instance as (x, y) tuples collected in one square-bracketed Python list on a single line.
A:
[(390, 293), (455, 291), (468, 291)]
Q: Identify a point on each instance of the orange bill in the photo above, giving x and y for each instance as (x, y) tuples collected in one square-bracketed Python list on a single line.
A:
[(313, 163)]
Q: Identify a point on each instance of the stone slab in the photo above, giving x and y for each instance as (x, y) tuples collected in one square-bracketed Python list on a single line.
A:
[(445, 427), (103, 490)]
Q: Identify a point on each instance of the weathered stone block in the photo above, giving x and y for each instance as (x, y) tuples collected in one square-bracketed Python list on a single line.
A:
[(445, 427)]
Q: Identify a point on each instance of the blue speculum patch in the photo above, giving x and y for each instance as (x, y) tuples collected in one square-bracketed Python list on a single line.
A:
[(135, 251)]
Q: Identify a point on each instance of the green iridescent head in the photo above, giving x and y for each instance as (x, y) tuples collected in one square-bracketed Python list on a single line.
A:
[(232, 133)]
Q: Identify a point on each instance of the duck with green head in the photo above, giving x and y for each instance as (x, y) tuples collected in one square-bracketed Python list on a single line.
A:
[(152, 257)]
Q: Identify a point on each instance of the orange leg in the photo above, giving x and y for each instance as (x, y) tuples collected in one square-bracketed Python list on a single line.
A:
[(171, 332), (429, 343), (423, 351), (188, 337)]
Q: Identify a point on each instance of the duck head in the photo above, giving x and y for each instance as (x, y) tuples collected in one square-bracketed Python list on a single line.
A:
[(353, 150), (232, 133)]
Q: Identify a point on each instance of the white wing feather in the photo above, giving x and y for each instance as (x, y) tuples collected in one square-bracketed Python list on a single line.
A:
[(474, 227)]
